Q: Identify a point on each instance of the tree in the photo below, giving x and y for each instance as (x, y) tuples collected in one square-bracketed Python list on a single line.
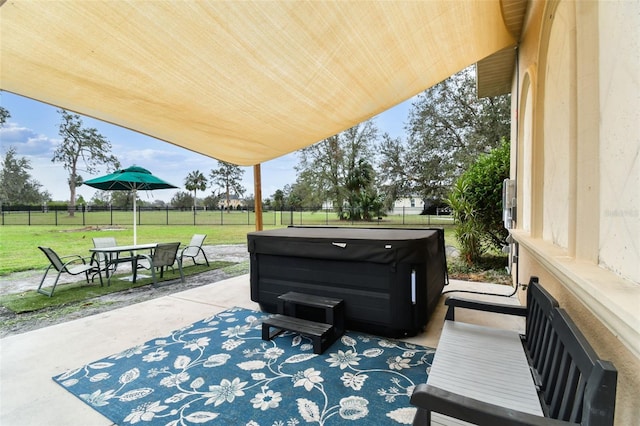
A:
[(212, 201), (325, 166), (448, 128), (101, 198), (476, 203), (4, 114), (228, 177), (182, 200), (16, 184), (362, 196), (278, 200), (195, 181), (81, 146), (123, 199)]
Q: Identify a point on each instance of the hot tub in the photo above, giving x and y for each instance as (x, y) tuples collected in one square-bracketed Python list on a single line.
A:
[(390, 279)]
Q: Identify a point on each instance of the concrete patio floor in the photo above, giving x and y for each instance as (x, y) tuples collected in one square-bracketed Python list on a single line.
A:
[(28, 395)]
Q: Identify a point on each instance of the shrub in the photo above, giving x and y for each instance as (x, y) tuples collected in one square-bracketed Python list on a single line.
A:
[(476, 203)]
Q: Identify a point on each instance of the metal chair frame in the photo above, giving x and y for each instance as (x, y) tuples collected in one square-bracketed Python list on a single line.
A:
[(194, 249), (71, 264), (164, 255)]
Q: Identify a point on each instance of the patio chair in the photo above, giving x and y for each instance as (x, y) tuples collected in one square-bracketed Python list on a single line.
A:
[(164, 255), (72, 265), (105, 260), (194, 249)]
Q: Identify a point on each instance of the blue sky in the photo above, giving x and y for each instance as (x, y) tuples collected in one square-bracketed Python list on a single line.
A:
[(33, 130)]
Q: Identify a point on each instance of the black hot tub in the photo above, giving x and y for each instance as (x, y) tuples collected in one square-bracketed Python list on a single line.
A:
[(390, 279)]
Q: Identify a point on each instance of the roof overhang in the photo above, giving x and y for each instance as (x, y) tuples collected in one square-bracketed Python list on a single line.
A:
[(494, 74), (246, 81)]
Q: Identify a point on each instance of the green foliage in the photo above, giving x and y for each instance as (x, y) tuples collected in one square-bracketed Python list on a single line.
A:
[(363, 200), (278, 200), (81, 148), (16, 184), (329, 168), (182, 200), (228, 178), (448, 128), (476, 202), (4, 114), (212, 202), (195, 181), (468, 229)]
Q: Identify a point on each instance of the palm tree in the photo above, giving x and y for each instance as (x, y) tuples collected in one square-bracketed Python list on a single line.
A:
[(195, 181)]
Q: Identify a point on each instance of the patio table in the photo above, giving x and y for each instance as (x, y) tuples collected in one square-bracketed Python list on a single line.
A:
[(112, 260)]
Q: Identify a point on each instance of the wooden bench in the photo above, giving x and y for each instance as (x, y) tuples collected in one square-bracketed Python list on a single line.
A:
[(322, 334), (486, 376)]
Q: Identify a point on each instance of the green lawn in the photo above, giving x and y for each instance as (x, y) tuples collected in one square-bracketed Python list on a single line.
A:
[(19, 244), (65, 294)]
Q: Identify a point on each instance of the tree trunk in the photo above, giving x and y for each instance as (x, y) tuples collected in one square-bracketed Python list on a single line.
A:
[(72, 196)]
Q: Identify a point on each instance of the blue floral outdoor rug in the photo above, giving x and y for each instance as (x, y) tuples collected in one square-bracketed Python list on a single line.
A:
[(220, 371)]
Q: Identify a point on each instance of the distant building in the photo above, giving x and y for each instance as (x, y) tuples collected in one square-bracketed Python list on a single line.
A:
[(408, 205), (234, 203)]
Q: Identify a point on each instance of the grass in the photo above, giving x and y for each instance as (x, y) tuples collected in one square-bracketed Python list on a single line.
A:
[(66, 294), (19, 244), (19, 252)]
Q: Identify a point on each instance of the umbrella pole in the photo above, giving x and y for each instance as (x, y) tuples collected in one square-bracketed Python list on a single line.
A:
[(135, 233)]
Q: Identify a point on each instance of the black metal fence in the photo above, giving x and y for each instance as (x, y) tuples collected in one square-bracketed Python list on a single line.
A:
[(109, 216)]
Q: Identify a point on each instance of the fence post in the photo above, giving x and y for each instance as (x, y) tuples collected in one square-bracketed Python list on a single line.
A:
[(403, 210), (167, 213), (194, 215), (84, 220), (29, 215)]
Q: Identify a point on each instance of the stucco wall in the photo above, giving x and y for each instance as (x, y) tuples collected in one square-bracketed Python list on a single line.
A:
[(619, 39), (558, 135), (578, 173)]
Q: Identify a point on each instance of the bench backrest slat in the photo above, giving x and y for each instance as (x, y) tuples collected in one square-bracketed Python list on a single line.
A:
[(576, 409), (570, 393), (576, 385), (538, 327), (543, 361), (559, 385), (552, 368)]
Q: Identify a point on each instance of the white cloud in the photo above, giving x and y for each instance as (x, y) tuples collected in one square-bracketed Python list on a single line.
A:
[(26, 141)]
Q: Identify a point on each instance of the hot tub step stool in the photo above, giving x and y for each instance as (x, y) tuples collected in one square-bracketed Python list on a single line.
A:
[(322, 334)]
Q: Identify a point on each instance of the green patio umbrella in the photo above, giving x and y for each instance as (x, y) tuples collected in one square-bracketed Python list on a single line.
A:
[(133, 179)]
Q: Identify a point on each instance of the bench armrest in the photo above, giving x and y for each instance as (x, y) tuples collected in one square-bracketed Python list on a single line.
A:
[(432, 399), (499, 308)]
